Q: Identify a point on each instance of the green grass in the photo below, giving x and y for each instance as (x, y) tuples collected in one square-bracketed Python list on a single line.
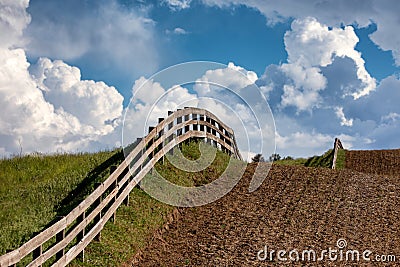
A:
[(33, 187), (341, 159), (35, 190), (131, 231), (291, 162), (324, 160), (136, 223), (191, 151), (321, 161)]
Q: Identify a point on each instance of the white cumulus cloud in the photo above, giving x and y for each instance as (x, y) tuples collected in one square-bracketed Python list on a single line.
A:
[(311, 44), (68, 115), (177, 31), (178, 4), (152, 101), (47, 107), (342, 117), (13, 20), (233, 77), (334, 13), (119, 38), (94, 103), (301, 99), (307, 82)]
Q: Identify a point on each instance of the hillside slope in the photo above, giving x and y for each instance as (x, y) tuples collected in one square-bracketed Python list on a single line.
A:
[(295, 208), (35, 189)]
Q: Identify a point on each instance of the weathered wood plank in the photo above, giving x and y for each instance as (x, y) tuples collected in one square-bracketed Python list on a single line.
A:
[(74, 232), (336, 146)]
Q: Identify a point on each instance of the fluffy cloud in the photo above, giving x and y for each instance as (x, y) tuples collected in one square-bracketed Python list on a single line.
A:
[(309, 78), (300, 144), (302, 100), (13, 20), (334, 13), (303, 143), (151, 101), (386, 36), (303, 94), (311, 43), (310, 46), (116, 37), (36, 117), (314, 50), (47, 107), (177, 4), (177, 31), (342, 117), (94, 103), (233, 77), (379, 104), (147, 91), (352, 107), (223, 91), (26, 118), (244, 106), (368, 122), (376, 115)]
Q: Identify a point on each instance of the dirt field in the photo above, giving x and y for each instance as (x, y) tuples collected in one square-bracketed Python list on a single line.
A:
[(295, 208), (374, 161)]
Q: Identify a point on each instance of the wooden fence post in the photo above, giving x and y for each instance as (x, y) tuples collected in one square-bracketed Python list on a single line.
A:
[(59, 237), (171, 137), (112, 169), (159, 136), (114, 216), (98, 217), (80, 236), (336, 146)]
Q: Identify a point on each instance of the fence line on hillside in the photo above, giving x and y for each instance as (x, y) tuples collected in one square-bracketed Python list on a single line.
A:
[(68, 237), (336, 146)]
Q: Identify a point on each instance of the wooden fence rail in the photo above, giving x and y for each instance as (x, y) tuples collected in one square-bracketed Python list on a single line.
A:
[(67, 238), (336, 146)]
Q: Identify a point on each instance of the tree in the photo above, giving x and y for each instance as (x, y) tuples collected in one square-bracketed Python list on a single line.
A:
[(258, 158), (274, 157)]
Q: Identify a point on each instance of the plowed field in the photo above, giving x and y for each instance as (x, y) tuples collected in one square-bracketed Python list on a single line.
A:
[(295, 208), (374, 161)]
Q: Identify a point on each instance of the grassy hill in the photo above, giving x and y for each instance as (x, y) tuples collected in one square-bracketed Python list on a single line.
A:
[(35, 190), (324, 160)]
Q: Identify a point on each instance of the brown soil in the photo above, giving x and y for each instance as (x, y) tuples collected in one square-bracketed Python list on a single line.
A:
[(295, 208), (374, 161)]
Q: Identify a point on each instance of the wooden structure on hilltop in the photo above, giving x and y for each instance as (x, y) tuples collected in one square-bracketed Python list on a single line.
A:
[(68, 237)]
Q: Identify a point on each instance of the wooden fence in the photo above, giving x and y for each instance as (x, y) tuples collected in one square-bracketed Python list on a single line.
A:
[(69, 236), (336, 146)]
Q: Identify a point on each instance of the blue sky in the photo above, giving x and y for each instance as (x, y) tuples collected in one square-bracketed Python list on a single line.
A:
[(239, 35), (327, 68)]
